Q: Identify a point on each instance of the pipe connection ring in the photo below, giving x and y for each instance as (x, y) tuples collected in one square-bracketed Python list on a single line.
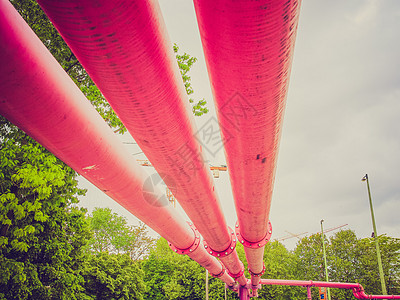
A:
[(257, 274), (193, 247), (238, 274), (254, 245), (220, 273), (227, 251)]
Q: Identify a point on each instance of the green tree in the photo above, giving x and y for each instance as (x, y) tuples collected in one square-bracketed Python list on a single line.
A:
[(112, 234), (185, 63), (172, 276), (391, 263), (112, 276), (109, 231), (310, 262), (280, 264), (42, 234), (344, 261), (350, 260), (368, 264), (310, 258)]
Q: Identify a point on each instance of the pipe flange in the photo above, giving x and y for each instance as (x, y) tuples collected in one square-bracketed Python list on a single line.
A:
[(257, 274), (193, 247), (239, 274), (254, 245), (227, 251), (220, 273)]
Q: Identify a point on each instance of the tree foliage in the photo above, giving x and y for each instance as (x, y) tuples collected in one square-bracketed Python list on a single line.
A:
[(41, 234), (112, 234), (185, 63), (172, 276), (368, 265), (350, 259), (112, 276), (280, 264)]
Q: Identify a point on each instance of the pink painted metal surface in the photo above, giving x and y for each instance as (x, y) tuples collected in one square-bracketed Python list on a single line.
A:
[(358, 290), (39, 97), (244, 293), (309, 293), (125, 48), (248, 47)]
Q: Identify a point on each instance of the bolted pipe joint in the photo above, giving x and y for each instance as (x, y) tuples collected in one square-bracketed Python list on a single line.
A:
[(257, 274), (227, 251), (192, 247), (254, 245)]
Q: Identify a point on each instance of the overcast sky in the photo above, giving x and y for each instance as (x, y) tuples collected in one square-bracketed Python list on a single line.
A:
[(341, 119)]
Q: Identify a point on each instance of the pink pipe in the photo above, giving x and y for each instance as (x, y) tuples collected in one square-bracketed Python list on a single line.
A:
[(309, 293), (243, 293), (40, 98), (248, 47), (125, 48), (357, 288)]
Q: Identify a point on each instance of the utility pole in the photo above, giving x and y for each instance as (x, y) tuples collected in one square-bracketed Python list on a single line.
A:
[(326, 266), (378, 252), (225, 291), (206, 284)]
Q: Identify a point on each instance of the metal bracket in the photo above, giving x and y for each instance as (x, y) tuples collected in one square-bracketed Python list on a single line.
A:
[(193, 247), (227, 251), (254, 245)]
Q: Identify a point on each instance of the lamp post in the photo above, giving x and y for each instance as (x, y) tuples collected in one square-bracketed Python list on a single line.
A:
[(378, 252), (326, 266)]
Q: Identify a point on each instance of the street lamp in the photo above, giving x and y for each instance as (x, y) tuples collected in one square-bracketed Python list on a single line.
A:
[(378, 252), (326, 266)]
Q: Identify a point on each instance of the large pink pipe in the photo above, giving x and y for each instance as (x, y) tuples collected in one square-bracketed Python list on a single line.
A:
[(357, 288), (124, 47), (248, 47), (39, 97)]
